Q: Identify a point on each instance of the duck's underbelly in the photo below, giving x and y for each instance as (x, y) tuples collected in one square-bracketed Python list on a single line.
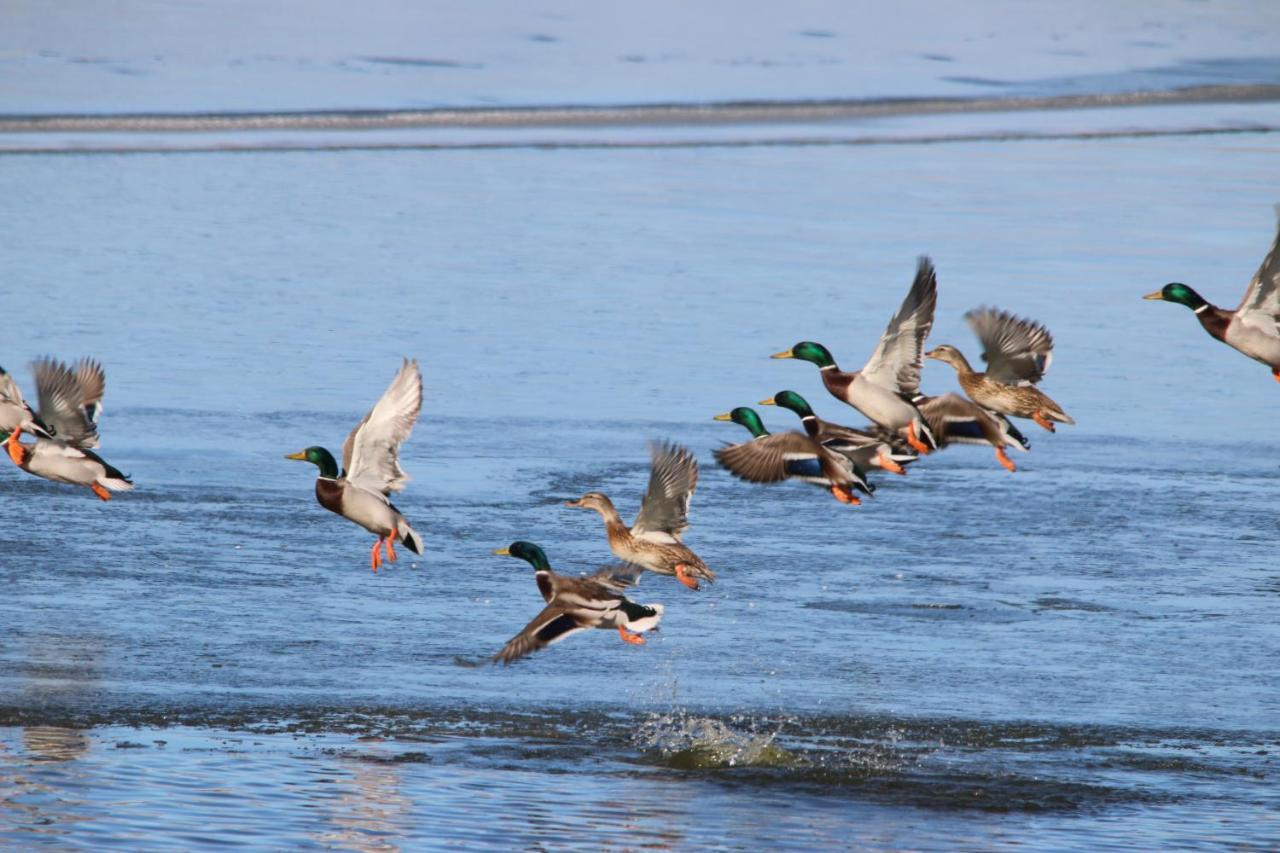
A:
[(1254, 343), (62, 465), (366, 509), (880, 404)]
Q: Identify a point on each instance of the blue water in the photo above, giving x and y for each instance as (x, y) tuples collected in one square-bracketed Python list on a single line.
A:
[(1079, 655)]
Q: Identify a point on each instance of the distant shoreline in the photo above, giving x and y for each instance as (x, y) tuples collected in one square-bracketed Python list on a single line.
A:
[(722, 113)]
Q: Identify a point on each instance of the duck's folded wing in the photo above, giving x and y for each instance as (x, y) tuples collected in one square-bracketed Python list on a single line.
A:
[(61, 403), (770, 458), (1017, 351), (673, 476), (552, 625), (896, 362), (1260, 308), (371, 453)]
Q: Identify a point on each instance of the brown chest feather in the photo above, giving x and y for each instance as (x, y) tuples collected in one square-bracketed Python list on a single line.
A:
[(1215, 321), (329, 494)]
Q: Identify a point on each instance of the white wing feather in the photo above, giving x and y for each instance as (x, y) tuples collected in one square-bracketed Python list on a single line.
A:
[(371, 453)]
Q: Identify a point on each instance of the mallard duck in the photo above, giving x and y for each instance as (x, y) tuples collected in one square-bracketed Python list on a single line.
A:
[(16, 416), (1018, 353), (883, 389), (1254, 327), (772, 458), (70, 400), (863, 449), (956, 420), (653, 542), (577, 604), (371, 467)]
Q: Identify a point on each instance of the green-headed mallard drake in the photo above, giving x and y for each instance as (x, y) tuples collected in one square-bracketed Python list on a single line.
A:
[(653, 542), (16, 415), (885, 386), (774, 457), (956, 420), (577, 604), (70, 400), (371, 467), (863, 449), (1254, 327), (1018, 353)]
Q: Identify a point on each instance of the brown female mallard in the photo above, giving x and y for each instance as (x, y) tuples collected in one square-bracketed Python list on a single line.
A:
[(1018, 353), (653, 542)]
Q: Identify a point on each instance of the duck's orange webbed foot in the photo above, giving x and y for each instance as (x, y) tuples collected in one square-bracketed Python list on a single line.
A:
[(1039, 418), (629, 637), (914, 441), (100, 491), (1276, 373), (375, 556), (1005, 460), (682, 575), (845, 495), (883, 460), (391, 551), (13, 448)]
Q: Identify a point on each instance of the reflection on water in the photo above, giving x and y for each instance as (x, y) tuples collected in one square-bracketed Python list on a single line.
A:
[(368, 811)]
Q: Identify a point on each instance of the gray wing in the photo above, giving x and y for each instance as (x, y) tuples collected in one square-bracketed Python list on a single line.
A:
[(673, 476), (897, 360), (1017, 351), (1260, 307), (93, 384), (371, 453), (61, 404), (764, 460), (616, 577), (552, 625)]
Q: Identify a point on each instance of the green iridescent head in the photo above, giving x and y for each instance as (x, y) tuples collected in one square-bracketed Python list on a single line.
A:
[(790, 400), (808, 351), (320, 458), (527, 551), (746, 417), (1176, 291)]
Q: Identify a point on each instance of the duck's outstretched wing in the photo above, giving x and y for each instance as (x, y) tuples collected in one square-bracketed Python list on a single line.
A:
[(773, 458), (1260, 308), (673, 476), (93, 385), (898, 357), (371, 453), (552, 625), (62, 403), (1017, 351)]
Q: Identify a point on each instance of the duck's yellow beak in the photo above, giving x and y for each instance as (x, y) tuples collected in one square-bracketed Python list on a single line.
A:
[(301, 454), (502, 552), (768, 402), (786, 353), (725, 417), (1159, 294)]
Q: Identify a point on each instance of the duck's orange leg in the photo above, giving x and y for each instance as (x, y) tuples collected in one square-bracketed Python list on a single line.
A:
[(391, 551), (914, 441), (13, 447), (888, 464), (630, 637), (1005, 460), (1038, 417), (845, 495), (682, 575), (1276, 374), (375, 557), (100, 491)]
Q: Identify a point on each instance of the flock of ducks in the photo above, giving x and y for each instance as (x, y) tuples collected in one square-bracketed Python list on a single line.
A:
[(905, 425)]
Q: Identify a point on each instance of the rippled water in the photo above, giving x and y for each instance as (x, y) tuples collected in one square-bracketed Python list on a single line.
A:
[(1079, 655)]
